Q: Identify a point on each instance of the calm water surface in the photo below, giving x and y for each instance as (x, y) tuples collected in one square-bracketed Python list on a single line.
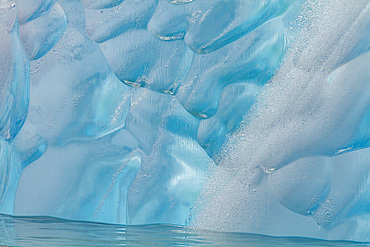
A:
[(45, 231)]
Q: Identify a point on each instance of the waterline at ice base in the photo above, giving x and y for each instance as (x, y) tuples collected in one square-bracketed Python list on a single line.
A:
[(222, 115)]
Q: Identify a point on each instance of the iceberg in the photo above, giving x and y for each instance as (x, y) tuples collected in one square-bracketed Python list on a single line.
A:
[(227, 115)]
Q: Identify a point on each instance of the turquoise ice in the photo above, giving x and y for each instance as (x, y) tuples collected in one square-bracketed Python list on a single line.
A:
[(230, 115)]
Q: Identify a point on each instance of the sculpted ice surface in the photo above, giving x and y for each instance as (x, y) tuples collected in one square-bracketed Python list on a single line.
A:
[(229, 115)]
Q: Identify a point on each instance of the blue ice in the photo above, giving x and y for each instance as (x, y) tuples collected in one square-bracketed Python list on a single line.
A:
[(228, 115)]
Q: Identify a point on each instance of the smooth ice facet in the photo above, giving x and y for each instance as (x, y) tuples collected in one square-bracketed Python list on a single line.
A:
[(41, 34), (32, 9), (102, 25), (221, 22), (157, 65)]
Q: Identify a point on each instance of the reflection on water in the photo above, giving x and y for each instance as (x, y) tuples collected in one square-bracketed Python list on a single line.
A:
[(46, 231)]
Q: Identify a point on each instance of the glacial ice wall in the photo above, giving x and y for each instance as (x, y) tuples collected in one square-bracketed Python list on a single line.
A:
[(229, 115)]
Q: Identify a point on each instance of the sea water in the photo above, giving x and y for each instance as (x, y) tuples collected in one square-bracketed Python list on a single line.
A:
[(47, 231)]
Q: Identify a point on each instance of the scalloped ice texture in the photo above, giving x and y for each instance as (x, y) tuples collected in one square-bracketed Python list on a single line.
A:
[(14, 77), (117, 111), (14, 100), (316, 105)]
